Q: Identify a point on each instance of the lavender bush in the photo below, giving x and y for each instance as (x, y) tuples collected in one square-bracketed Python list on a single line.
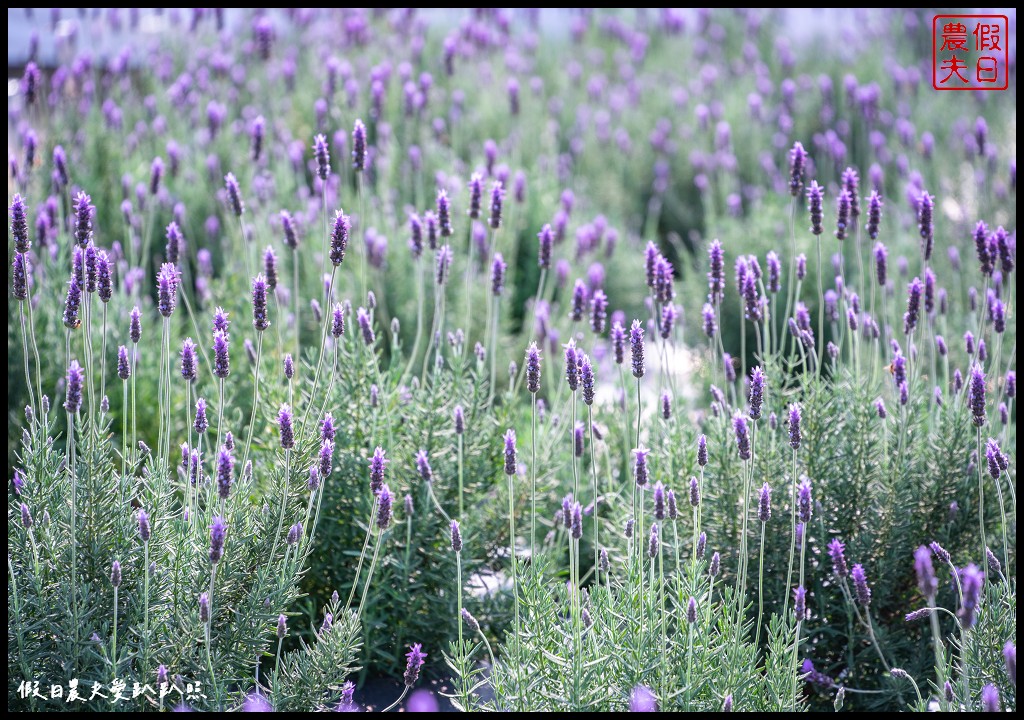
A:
[(349, 343)]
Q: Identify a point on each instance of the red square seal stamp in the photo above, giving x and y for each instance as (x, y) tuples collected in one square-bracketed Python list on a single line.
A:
[(970, 52)]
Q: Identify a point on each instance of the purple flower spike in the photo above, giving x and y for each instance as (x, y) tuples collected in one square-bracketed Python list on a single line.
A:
[(188, 360), (586, 379), (167, 289), (104, 277), (757, 379), (73, 396), (218, 532), (925, 213), (115, 574), (225, 473), (414, 661), (804, 504), (843, 211), (19, 224), (363, 320), (659, 501), (797, 158), (456, 536), (764, 505), (384, 502), (359, 146), (172, 251), (444, 213), (339, 238), (640, 471), (444, 261), (234, 194), (716, 272), (26, 517), (423, 466), (497, 199), (124, 368), (337, 321), (204, 608), (618, 337), (836, 551), (739, 425), (572, 369), (73, 303), (510, 452), (977, 395), (84, 212), (636, 343), (576, 521), (800, 603), (926, 581), (546, 238), (794, 426), (874, 214), (284, 424), (860, 583), (694, 492), (533, 369), (990, 699), (378, 464), (1010, 656), (498, 268), (599, 311), (19, 280), (323, 157), (815, 199), (914, 292), (221, 364), (325, 459), (653, 542), (971, 581), (702, 451), (260, 318)]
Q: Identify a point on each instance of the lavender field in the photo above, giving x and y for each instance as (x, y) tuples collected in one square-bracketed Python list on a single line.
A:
[(508, 360)]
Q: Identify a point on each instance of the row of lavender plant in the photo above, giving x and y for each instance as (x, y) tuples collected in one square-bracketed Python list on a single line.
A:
[(637, 622)]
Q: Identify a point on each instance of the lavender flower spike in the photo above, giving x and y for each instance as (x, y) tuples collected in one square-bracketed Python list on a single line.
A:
[(836, 552), (284, 423), (756, 392), (323, 157), (234, 194), (167, 289), (533, 369), (926, 581), (384, 501), (640, 472), (359, 146), (339, 238), (971, 581), (456, 536), (797, 157), (794, 426), (414, 661), (378, 464), (860, 583), (636, 343), (510, 452), (225, 473), (764, 505), (977, 395), (260, 318), (73, 397), (218, 532), (739, 425)]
